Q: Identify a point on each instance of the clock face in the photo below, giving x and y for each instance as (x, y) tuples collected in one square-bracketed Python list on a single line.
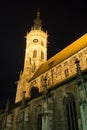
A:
[(35, 40)]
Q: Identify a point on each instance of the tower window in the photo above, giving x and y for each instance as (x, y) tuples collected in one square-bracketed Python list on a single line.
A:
[(42, 43), (66, 72), (42, 55), (34, 53)]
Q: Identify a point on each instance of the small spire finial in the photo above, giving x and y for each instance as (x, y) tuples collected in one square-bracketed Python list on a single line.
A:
[(23, 99), (7, 105), (38, 13)]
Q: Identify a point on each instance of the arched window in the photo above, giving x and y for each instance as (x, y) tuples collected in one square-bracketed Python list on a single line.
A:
[(40, 122), (34, 53), (66, 72), (42, 55), (34, 91), (70, 112)]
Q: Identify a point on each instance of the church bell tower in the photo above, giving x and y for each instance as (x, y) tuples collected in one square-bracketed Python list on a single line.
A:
[(35, 55)]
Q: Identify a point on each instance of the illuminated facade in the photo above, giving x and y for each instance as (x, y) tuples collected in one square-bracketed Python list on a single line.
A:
[(35, 55), (50, 93)]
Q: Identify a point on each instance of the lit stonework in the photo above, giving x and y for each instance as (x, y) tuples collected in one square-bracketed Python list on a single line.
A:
[(36, 42), (50, 93), (61, 67), (35, 55)]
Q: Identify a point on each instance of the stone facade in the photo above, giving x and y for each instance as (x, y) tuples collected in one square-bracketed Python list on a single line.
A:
[(53, 93), (28, 114)]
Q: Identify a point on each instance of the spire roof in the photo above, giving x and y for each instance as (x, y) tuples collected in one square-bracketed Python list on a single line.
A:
[(37, 21), (38, 13)]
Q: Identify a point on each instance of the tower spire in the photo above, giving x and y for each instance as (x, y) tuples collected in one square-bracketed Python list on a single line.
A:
[(35, 55), (38, 13), (37, 21)]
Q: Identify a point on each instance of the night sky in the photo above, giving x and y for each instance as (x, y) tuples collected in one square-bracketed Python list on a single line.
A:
[(64, 21)]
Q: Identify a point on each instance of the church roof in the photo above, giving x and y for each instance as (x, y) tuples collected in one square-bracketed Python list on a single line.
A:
[(62, 55)]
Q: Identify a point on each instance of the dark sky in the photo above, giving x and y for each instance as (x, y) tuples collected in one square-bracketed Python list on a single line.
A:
[(64, 21)]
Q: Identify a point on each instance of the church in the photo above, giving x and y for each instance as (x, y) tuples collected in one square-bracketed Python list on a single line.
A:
[(51, 93)]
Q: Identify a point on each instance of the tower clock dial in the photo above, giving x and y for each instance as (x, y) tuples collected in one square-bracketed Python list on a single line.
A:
[(35, 40)]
